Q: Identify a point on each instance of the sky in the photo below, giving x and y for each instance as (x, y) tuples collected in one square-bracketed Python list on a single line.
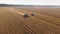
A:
[(31, 2)]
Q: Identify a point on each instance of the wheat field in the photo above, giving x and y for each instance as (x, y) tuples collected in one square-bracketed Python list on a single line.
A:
[(13, 22)]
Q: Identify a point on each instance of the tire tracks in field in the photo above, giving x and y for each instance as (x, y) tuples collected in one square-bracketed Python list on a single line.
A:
[(27, 27), (32, 22)]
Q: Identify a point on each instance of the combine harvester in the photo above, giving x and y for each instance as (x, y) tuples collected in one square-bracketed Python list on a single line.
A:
[(27, 15)]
